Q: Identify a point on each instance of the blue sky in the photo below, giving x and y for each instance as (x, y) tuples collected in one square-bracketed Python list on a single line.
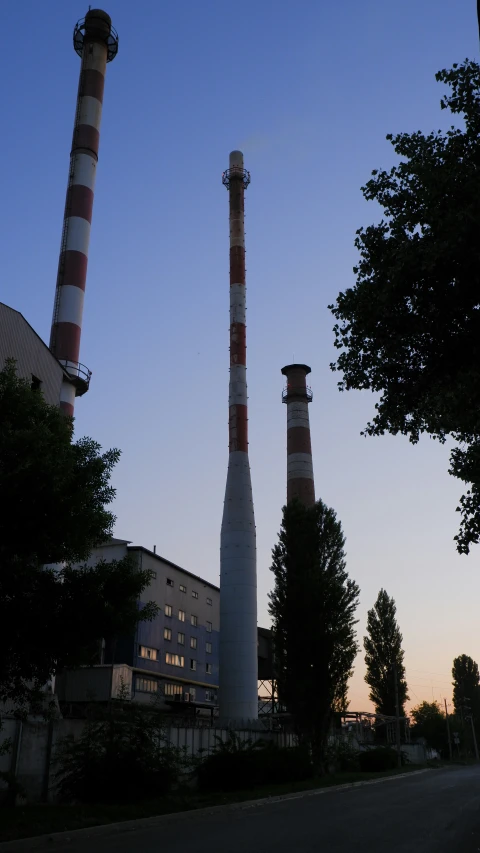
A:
[(308, 90)]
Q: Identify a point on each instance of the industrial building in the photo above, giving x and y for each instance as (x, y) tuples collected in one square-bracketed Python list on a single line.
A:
[(34, 361), (175, 656)]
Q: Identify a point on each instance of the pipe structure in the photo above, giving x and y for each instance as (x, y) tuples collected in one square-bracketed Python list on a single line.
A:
[(238, 695), (96, 42), (297, 395)]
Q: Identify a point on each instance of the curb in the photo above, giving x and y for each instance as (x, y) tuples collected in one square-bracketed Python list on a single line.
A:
[(39, 843)]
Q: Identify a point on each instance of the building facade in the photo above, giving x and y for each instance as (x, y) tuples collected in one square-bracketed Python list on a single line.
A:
[(175, 656), (34, 361)]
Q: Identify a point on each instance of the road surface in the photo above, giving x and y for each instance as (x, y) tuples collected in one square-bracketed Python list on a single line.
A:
[(434, 812)]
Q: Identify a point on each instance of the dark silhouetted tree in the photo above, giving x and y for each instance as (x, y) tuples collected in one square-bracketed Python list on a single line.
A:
[(313, 606), (409, 329), (384, 657), (55, 495)]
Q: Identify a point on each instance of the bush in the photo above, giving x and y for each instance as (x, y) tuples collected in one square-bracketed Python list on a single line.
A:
[(123, 758), (342, 757), (241, 766), (376, 760)]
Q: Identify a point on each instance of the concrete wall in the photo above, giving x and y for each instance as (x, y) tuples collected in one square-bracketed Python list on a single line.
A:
[(19, 341), (33, 761)]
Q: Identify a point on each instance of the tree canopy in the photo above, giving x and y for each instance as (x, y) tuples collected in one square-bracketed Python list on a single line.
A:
[(313, 606), (466, 687), (409, 329), (384, 657), (429, 723), (55, 495)]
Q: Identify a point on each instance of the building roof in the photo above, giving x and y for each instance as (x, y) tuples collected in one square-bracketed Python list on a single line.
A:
[(9, 308), (173, 565)]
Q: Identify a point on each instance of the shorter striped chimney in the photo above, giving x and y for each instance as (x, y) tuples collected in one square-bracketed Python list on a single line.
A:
[(297, 395)]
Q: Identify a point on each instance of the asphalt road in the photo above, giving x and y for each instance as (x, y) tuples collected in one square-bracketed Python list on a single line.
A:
[(434, 812)]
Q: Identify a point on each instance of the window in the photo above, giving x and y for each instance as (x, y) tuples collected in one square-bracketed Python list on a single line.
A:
[(36, 383), (194, 620), (181, 638), (183, 588), (181, 615), (193, 693), (146, 685), (167, 633), (208, 648), (193, 642), (169, 582), (168, 610), (193, 664), (174, 660), (208, 695), (194, 594), (209, 600), (208, 668), (147, 652), (209, 627), (173, 689)]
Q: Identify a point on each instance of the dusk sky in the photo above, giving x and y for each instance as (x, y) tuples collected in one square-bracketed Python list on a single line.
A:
[(308, 90)]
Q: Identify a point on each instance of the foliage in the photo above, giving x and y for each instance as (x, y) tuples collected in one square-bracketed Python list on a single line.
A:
[(241, 765), (378, 759), (313, 607), (429, 722), (54, 495), (121, 757), (409, 328), (466, 688), (384, 657), (342, 756)]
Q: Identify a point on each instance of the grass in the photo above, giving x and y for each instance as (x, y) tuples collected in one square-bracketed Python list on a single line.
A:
[(30, 820)]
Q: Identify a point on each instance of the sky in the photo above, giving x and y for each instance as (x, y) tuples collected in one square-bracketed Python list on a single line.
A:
[(308, 90)]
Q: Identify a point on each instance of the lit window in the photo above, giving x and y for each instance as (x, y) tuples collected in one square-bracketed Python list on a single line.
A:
[(208, 648), (167, 633), (181, 615), (169, 582), (181, 638), (209, 627), (193, 664), (146, 652), (194, 620), (174, 660), (193, 642), (208, 668), (168, 610), (183, 588), (173, 689), (209, 601), (146, 685), (194, 594)]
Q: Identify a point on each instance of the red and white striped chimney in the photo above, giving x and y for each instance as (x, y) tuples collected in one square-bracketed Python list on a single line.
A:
[(297, 395), (238, 698), (96, 42)]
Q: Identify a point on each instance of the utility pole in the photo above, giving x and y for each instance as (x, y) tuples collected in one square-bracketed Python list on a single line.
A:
[(397, 719), (448, 723), (469, 716)]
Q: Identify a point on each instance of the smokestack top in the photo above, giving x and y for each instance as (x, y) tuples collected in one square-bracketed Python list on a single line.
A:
[(96, 26), (236, 159), (289, 367)]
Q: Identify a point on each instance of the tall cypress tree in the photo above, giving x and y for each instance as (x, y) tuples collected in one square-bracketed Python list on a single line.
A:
[(313, 606), (384, 657)]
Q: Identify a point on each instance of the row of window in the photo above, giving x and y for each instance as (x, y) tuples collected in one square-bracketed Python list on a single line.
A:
[(149, 685), (182, 615), (183, 589), (178, 660), (167, 635)]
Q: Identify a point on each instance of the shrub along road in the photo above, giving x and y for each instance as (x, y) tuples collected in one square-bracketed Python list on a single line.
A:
[(433, 812)]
